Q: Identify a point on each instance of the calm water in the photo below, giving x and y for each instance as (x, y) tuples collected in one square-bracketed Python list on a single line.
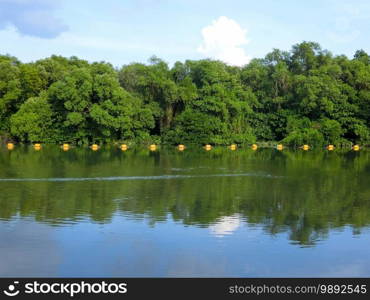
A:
[(196, 213)]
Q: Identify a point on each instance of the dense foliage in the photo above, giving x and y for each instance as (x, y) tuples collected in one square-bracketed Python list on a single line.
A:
[(306, 95)]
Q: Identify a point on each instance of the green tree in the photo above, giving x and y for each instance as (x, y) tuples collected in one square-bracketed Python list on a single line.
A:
[(10, 90), (305, 95), (32, 122)]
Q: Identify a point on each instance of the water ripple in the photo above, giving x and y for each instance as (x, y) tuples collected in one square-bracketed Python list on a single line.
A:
[(121, 178)]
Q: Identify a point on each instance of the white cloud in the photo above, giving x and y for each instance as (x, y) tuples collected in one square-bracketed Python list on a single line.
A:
[(31, 18), (223, 40)]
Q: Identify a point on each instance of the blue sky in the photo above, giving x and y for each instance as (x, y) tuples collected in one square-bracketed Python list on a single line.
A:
[(124, 31)]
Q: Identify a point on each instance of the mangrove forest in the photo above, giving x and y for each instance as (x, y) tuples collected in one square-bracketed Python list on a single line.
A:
[(303, 96)]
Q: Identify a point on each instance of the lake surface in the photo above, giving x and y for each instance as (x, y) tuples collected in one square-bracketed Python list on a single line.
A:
[(263, 213)]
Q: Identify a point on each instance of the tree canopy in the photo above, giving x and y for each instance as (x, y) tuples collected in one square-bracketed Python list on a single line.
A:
[(306, 95)]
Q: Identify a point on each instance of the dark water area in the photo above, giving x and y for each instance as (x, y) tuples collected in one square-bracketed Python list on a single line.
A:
[(263, 213)]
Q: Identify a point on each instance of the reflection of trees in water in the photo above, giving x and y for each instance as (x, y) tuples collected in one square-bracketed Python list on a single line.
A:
[(315, 191)]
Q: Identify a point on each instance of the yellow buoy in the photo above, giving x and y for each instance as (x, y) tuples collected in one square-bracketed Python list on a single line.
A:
[(94, 147), (356, 148), (65, 147), (208, 147), (153, 147), (10, 146), (124, 147), (37, 147), (279, 147), (330, 147), (305, 147), (181, 147), (254, 147), (233, 147)]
